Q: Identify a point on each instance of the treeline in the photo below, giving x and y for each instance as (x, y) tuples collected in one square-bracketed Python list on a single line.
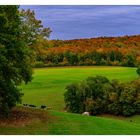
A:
[(98, 95), (115, 51)]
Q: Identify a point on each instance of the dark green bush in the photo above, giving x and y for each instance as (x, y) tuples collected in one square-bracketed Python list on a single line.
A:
[(73, 99), (38, 64), (98, 95), (138, 70)]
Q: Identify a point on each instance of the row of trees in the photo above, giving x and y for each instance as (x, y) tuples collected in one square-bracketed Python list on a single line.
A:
[(98, 95), (117, 51), (93, 57)]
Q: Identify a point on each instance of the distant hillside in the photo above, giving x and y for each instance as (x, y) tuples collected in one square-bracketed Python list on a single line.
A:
[(116, 51), (123, 41)]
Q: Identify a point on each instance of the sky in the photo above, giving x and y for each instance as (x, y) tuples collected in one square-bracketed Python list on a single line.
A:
[(75, 22)]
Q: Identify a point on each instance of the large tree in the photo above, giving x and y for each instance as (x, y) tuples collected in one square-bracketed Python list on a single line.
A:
[(34, 34), (15, 58)]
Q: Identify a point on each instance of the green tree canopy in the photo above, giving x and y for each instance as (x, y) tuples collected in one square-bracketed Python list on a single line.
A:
[(32, 29), (15, 58), (138, 70)]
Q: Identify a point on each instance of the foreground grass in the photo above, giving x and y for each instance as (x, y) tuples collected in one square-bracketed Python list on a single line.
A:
[(61, 123), (24, 121), (48, 85), (75, 124)]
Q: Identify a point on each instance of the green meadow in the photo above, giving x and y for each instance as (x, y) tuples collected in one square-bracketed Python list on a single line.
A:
[(47, 88), (75, 124), (48, 85)]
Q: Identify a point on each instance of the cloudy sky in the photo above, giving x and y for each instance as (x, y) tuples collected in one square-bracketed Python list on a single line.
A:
[(71, 22)]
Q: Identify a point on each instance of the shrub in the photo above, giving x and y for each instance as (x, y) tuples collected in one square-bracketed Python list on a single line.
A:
[(98, 95), (137, 107), (73, 99), (114, 108), (90, 106), (128, 110), (138, 70), (39, 64)]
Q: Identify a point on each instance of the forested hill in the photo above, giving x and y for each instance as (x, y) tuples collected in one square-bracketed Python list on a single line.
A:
[(123, 41), (116, 51)]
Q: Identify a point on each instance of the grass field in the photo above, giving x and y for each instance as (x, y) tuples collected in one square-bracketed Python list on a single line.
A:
[(48, 85), (74, 124), (47, 88)]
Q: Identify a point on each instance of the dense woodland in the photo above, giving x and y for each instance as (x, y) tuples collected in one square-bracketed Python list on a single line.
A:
[(114, 51)]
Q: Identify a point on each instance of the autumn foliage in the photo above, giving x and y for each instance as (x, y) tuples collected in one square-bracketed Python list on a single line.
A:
[(116, 51)]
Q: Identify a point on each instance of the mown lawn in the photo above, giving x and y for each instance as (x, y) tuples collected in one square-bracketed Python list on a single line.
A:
[(48, 85)]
